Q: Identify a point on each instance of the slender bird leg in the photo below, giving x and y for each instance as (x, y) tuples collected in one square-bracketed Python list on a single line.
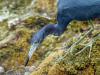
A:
[(71, 48), (90, 49), (92, 28), (81, 50), (89, 45)]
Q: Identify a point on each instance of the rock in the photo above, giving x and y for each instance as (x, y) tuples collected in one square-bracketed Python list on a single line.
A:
[(27, 68), (10, 72), (32, 68), (14, 72), (27, 73), (2, 70), (13, 22)]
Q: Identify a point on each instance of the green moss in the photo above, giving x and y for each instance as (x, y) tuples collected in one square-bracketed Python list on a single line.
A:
[(70, 65)]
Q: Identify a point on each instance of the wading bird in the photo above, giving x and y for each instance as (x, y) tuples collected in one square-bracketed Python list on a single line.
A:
[(68, 10)]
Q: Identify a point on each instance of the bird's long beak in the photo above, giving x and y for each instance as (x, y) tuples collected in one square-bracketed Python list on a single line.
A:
[(33, 48)]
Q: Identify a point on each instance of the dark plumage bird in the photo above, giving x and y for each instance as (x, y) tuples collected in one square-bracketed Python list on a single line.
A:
[(68, 10)]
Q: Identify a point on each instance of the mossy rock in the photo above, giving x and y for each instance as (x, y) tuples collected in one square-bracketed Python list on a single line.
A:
[(38, 21)]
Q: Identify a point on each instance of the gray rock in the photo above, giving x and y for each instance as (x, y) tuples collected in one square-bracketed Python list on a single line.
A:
[(27, 68), (27, 73), (10, 72), (2, 71), (32, 68), (15, 72)]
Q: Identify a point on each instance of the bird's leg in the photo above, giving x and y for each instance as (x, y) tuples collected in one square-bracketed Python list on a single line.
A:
[(90, 49), (89, 45), (81, 50), (73, 45), (92, 28)]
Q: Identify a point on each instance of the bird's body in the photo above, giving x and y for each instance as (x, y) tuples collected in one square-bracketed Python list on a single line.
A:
[(77, 10), (80, 9), (68, 10)]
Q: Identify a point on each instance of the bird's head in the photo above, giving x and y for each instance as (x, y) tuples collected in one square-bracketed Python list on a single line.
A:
[(38, 38)]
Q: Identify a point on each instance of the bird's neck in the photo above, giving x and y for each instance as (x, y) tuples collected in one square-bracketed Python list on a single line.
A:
[(55, 29), (64, 23), (60, 27)]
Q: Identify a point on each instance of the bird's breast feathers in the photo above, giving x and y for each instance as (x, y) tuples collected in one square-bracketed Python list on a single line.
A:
[(77, 3)]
